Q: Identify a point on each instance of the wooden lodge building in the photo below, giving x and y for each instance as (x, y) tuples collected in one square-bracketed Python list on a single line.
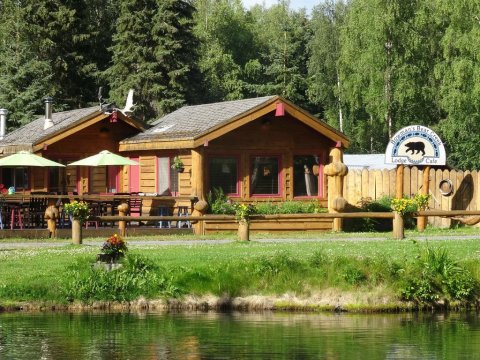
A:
[(255, 149)]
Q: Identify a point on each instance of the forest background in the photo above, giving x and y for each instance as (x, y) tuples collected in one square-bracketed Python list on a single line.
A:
[(367, 67)]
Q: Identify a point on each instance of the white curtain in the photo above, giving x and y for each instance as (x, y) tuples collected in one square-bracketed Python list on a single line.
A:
[(163, 176)]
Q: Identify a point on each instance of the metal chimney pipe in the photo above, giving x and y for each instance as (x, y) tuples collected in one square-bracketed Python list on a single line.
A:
[(3, 122), (48, 113)]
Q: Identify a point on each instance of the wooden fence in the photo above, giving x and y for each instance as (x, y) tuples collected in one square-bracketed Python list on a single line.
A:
[(398, 223), (373, 184)]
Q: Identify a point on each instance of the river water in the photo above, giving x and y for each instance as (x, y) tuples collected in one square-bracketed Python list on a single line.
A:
[(239, 336)]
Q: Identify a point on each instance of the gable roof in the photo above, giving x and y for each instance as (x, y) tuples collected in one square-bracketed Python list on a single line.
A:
[(190, 126), (192, 121), (31, 134)]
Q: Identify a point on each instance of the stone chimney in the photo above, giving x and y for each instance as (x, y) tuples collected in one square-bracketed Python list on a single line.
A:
[(3, 122), (48, 113)]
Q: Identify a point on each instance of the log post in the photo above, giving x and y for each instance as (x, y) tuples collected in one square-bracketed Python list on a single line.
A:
[(77, 231), (197, 181), (399, 182), (398, 226), (243, 230), (422, 220), (199, 209), (122, 224), (336, 171)]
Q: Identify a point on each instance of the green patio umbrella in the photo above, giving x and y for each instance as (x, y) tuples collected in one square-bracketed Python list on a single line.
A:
[(25, 158), (104, 158)]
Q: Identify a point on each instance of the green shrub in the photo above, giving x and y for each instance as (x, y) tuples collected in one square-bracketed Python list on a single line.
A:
[(354, 276), (219, 203), (368, 224), (434, 276), (289, 207), (138, 277)]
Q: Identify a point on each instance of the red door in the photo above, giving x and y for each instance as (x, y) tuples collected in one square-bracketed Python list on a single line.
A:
[(134, 180), (113, 178)]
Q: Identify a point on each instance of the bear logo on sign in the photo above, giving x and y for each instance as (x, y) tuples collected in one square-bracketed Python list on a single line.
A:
[(416, 147)]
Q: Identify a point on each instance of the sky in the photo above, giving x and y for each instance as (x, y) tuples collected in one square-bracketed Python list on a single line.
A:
[(294, 4)]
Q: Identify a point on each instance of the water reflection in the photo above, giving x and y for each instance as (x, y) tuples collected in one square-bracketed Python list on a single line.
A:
[(238, 336)]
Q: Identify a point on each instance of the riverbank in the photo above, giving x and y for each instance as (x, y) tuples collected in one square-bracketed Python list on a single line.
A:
[(340, 275), (329, 301)]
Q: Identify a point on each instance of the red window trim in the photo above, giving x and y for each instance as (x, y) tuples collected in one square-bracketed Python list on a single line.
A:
[(320, 181), (238, 181), (280, 176)]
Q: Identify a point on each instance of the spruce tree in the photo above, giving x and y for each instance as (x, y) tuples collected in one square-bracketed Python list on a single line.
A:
[(46, 49), (24, 77), (154, 53)]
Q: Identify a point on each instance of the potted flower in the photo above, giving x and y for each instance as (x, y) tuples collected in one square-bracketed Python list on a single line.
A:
[(78, 212), (242, 215), (177, 164), (112, 249)]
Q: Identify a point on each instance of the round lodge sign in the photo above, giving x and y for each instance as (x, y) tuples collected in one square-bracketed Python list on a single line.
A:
[(415, 145)]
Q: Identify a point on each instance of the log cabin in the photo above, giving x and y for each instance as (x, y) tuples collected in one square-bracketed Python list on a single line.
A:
[(65, 137), (258, 149), (255, 149)]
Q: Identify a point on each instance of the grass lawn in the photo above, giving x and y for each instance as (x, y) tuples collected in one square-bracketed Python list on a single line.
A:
[(416, 270), (429, 232)]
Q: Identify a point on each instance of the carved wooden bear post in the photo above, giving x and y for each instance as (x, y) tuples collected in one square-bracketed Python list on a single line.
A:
[(336, 171), (199, 209), (51, 215)]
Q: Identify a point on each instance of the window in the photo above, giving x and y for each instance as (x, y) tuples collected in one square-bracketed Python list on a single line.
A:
[(167, 178), (264, 172), (163, 176), (54, 180), (305, 181), (16, 177), (224, 174)]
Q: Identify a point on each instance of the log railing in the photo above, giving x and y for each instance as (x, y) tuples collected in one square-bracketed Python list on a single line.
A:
[(398, 230)]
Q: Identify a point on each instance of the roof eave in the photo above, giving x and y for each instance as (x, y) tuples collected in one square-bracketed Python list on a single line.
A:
[(330, 131), (152, 144), (65, 131), (82, 123)]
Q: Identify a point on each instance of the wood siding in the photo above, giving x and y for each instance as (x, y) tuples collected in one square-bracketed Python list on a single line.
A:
[(284, 137)]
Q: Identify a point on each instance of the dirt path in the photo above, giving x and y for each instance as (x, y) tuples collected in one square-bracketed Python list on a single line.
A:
[(140, 243)]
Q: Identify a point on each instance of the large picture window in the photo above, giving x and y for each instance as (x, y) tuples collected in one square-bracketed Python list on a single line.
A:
[(305, 178), (224, 174), (264, 175)]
